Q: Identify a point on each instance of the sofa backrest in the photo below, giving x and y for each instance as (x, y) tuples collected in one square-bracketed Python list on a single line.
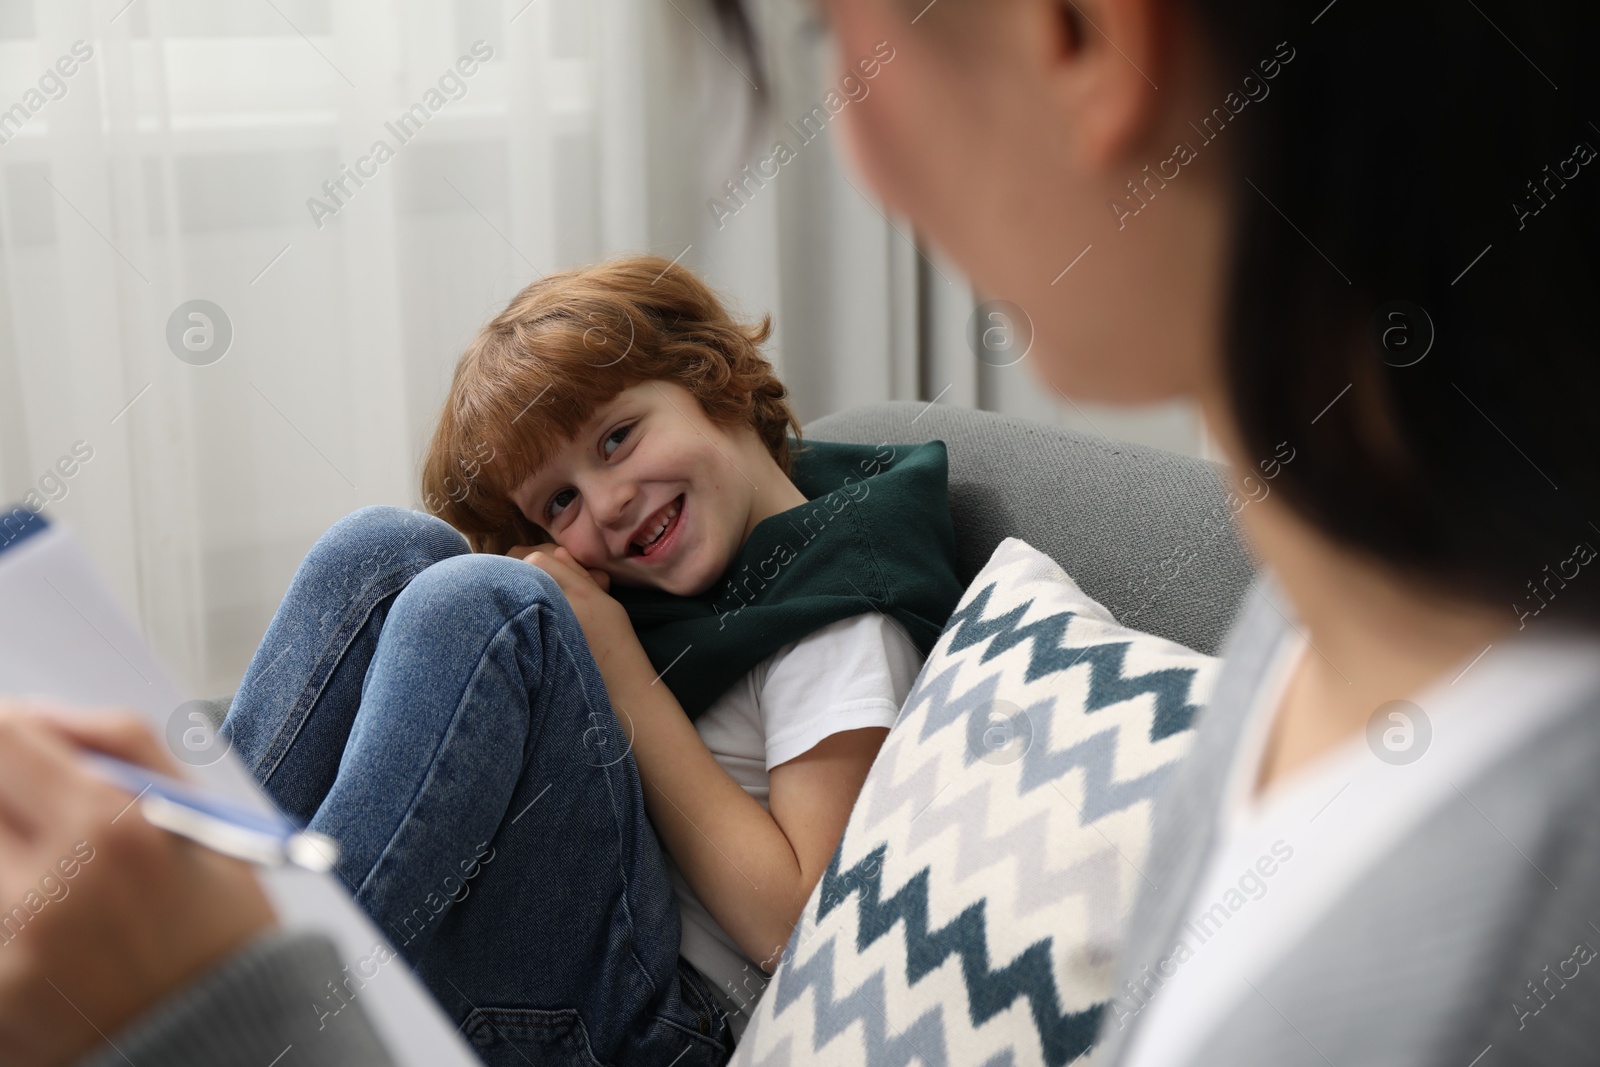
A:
[(1129, 523)]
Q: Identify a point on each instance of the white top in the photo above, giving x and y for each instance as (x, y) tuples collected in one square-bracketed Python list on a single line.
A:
[(848, 675), (1281, 860)]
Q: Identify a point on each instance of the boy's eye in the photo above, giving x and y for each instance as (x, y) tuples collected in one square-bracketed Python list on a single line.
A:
[(559, 502), (618, 435)]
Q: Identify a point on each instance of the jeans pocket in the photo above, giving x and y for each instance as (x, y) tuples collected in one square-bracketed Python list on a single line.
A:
[(709, 1018), (695, 998), (510, 1036)]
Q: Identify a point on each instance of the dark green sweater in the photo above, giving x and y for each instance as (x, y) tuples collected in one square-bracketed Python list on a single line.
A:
[(874, 535)]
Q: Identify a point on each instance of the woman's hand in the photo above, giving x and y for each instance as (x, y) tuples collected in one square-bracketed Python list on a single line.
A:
[(103, 914), (603, 619)]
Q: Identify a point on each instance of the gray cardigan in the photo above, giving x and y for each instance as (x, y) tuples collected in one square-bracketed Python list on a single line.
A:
[(1428, 958), (248, 1012)]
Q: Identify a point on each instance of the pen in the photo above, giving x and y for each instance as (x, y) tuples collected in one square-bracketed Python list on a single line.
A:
[(220, 824)]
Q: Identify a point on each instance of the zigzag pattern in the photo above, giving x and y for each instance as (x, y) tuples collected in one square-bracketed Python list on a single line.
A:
[(883, 795), (1025, 843), (922, 1041), (947, 707), (1096, 755), (1063, 1035), (1107, 683)]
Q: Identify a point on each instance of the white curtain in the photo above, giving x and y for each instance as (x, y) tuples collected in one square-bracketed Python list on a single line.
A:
[(200, 151)]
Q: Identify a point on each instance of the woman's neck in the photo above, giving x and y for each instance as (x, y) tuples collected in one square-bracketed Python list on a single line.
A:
[(1374, 636)]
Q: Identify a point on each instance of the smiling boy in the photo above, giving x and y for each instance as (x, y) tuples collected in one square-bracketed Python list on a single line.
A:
[(628, 438), (671, 514)]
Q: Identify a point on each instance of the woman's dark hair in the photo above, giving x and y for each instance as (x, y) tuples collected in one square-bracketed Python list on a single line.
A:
[(1424, 174), (1415, 273), (738, 25)]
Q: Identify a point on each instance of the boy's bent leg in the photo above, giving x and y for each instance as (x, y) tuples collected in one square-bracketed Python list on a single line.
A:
[(294, 708), (493, 825)]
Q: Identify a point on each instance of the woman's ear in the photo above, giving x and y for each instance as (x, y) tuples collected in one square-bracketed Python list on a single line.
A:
[(1102, 60)]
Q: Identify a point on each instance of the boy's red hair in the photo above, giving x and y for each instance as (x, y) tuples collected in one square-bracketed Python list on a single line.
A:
[(568, 343)]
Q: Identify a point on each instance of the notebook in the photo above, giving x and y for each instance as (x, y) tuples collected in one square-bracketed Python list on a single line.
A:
[(63, 636)]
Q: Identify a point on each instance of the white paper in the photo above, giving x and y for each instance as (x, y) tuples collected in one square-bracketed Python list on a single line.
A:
[(63, 636)]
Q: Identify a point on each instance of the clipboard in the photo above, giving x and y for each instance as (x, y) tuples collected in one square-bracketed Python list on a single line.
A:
[(63, 636)]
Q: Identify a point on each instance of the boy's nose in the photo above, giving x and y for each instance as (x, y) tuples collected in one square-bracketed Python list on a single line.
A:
[(612, 504)]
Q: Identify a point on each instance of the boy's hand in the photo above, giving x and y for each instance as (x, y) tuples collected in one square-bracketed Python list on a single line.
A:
[(603, 619)]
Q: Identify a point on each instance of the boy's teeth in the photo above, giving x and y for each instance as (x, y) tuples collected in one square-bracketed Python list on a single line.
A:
[(653, 538)]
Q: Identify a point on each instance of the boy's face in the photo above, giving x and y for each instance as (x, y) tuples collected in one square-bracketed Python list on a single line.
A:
[(650, 456)]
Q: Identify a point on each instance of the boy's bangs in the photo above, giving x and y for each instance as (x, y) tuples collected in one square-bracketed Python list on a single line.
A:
[(520, 436)]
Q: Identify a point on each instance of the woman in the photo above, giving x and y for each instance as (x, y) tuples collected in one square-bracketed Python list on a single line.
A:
[(1279, 216), (1368, 233)]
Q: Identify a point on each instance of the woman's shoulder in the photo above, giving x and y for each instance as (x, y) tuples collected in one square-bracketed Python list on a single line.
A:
[(1495, 890)]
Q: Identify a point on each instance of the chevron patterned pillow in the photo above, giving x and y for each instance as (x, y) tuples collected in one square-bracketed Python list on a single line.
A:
[(973, 910)]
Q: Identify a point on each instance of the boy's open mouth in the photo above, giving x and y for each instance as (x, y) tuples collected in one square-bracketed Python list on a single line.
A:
[(659, 532)]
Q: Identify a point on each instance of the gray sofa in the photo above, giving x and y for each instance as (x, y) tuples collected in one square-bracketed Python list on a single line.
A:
[(1129, 523)]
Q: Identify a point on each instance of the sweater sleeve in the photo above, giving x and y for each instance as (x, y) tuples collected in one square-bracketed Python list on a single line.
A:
[(248, 1012)]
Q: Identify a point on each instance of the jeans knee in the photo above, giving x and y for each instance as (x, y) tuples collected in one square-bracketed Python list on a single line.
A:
[(387, 522), (373, 515), (379, 537), (475, 581)]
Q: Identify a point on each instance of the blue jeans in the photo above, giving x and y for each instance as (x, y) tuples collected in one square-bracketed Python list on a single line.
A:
[(439, 714)]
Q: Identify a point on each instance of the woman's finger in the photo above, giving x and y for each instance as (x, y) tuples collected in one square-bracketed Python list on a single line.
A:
[(34, 764), (16, 849), (116, 733), (42, 790)]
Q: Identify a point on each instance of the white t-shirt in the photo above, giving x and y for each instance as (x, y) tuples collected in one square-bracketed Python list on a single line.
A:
[(1282, 860), (851, 674)]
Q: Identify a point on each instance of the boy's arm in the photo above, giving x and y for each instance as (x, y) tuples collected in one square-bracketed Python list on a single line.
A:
[(752, 870)]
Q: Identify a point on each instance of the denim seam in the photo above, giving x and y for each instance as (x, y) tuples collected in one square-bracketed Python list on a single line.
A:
[(700, 1007), (693, 1035), (348, 629), (625, 902), (455, 719), (444, 738), (566, 1015), (616, 818), (709, 1037), (711, 1009)]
